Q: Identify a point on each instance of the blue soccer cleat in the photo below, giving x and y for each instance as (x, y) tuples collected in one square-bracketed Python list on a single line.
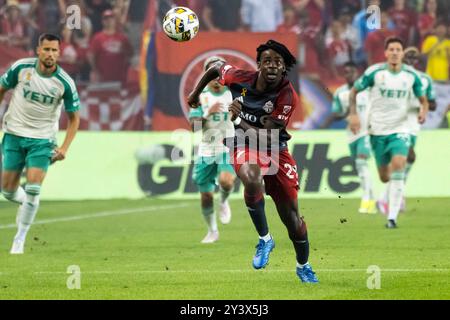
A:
[(263, 249), (306, 274)]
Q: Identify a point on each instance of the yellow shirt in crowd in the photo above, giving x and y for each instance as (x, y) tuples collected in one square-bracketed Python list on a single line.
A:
[(438, 59)]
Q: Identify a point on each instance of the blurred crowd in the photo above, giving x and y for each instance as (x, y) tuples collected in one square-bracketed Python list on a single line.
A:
[(332, 32), (108, 34)]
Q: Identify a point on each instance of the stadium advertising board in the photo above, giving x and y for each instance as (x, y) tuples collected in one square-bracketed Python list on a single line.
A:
[(132, 165)]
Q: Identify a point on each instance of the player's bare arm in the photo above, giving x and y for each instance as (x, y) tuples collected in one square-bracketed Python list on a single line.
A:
[(353, 119), (2, 93), (72, 128), (423, 109), (212, 73)]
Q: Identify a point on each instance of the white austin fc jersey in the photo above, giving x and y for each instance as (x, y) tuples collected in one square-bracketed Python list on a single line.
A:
[(217, 126), (341, 104), (414, 107), (36, 102), (389, 97)]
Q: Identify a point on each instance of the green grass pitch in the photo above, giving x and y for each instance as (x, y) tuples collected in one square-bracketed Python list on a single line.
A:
[(150, 249)]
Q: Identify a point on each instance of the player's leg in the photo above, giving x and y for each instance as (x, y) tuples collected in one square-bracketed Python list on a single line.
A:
[(361, 153), (13, 163), (204, 176), (37, 162), (226, 183), (382, 160), (399, 145), (283, 188), (409, 163)]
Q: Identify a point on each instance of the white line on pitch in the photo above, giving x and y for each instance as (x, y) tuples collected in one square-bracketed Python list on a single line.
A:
[(239, 271), (100, 214)]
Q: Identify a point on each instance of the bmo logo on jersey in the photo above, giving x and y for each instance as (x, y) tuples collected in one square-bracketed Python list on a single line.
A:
[(248, 117)]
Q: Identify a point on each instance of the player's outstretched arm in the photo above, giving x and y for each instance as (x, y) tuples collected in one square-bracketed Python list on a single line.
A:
[(72, 128), (212, 73), (353, 119)]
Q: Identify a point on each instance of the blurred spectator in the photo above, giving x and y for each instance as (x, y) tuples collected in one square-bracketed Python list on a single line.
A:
[(13, 27), (437, 50), (222, 15), (427, 19), (136, 16), (353, 6), (314, 8), (360, 24), (290, 23), (374, 44), (45, 16), (110, 52), (308, 42), (349, 33), (261, 18), (404, 20), (338, 48), (195, 5), (69, 57), (94, 9)]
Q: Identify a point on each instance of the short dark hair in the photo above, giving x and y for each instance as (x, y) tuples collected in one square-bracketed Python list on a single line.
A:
[(49, 37), (393, 39), (289, 59), (350, 64)]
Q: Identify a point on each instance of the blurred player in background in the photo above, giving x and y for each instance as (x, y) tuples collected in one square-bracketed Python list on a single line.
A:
[(392, 83), (263, 102), (30, 125), (359, 143), (213, 161), (412, 57)]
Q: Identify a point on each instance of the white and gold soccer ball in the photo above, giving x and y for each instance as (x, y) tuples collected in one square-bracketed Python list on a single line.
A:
[(180, 24)]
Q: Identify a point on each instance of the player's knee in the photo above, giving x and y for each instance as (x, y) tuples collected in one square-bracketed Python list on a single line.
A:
[(384, 178), (226, 182)]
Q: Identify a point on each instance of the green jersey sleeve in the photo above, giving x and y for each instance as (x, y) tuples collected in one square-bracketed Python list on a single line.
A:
[(367, 79), (196, 113), (10, 79), (71, 100), (430, 92), (417, 86), (336, 105)]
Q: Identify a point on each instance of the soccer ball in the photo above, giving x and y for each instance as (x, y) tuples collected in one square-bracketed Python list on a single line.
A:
[(180, 24)]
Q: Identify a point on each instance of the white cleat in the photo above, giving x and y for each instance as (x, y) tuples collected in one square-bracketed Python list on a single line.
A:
[(17, 247), (211, 236), (225, 213)]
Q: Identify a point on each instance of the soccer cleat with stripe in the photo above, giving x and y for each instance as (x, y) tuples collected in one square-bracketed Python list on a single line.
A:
[(263, 249), (306, 274)]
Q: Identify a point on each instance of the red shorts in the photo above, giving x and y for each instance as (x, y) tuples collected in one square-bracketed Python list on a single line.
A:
[(279, 171)]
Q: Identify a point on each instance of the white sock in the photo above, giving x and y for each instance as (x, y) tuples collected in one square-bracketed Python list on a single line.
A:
[(210, 217), (385, 195), (301, 265), (364, 176), (266, 238), (407, 170), (17, 196), (397, 185), (27, 211)]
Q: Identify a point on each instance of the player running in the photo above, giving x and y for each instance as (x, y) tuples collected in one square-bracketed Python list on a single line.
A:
[(412, 56), (391, 83), (263, 102), (213, 160), (30, 125), (359, 143)]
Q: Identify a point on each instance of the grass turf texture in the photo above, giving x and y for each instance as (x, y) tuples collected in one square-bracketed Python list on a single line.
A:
[(154, 252)]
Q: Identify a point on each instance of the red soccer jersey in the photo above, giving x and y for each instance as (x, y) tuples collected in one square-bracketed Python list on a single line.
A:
[(257, 107), (404, 20), (111, 55)]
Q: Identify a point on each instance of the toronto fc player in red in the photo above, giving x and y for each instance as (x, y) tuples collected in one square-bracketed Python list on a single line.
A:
[(263, 102)]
